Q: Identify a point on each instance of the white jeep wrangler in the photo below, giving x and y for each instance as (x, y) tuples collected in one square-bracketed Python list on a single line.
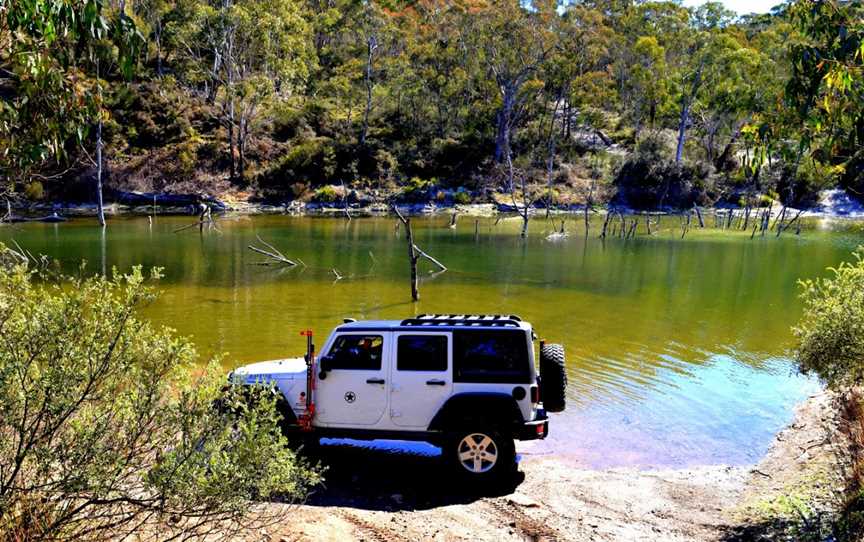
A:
[(466, 383)]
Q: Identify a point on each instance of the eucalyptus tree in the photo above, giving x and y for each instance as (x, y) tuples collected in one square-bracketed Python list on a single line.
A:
[(246, 53), (703, 64), (55, 56), (649, 42), (826, 87), (647, 85), (515, 42)]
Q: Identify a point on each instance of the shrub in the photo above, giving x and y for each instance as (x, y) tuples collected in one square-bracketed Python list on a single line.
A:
[(645, 183), (326, 194), (107, 423), (462, 196), (311, 161), (34, 190), (830, 334), (801, 190), (416, 189), (386, 165)]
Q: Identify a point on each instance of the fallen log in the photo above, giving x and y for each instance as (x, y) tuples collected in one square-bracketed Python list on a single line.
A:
[(158, 199)]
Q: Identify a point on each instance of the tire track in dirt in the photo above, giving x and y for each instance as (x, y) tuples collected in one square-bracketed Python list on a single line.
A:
[(369, 530), (533, 529)]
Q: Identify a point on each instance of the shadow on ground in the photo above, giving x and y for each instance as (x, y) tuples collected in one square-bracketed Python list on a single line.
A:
[(394, 476)]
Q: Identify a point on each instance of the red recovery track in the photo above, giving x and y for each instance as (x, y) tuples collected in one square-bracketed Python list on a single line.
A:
[(305, 419)]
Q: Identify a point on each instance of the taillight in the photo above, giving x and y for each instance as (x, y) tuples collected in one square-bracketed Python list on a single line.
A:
[(535, 394)]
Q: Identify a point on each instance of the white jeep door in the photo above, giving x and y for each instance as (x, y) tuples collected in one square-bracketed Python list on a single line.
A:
[(354, 391), (420, 376)]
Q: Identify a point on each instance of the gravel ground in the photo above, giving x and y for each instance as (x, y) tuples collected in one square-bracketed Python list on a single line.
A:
[(380, 495)]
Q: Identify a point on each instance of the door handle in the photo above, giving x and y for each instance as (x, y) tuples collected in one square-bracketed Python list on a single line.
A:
[(374, 380), (435, 383)]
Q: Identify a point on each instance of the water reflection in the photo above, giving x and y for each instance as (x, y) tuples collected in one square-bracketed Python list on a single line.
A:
[(676, 348)]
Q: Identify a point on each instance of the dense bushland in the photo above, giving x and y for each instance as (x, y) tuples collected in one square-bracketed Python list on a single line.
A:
[(665, 105)]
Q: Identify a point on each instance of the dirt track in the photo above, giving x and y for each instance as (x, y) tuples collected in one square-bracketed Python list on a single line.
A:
[(382, 496)]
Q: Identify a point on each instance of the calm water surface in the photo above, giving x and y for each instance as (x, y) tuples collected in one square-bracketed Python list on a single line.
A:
[(677, 349)]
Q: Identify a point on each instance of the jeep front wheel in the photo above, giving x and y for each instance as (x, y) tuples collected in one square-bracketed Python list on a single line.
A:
[(482, 455)]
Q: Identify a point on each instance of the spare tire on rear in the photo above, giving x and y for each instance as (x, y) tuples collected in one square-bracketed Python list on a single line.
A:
[(553, 377)]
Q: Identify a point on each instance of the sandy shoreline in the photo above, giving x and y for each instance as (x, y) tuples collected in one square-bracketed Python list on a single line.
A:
[(379, 496), (312, 209)]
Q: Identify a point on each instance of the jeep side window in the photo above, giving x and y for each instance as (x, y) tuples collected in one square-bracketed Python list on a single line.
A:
[(359, 352), (421, 353), (490, 357)]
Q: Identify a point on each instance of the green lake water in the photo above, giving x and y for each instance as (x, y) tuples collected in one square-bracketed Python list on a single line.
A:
[(677, 348)]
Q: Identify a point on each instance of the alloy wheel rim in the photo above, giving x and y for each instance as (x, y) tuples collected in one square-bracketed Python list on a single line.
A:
[(477, 453)]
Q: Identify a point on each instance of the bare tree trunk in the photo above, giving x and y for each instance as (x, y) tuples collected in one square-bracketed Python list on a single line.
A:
[(502, 138), (100, 211), (550, 161), (699, 216), (371, 45), (605, 223), (682, 129), (685, 113), (412, 254), (231, 138), (158, 39), (241, 152), (525, 203)]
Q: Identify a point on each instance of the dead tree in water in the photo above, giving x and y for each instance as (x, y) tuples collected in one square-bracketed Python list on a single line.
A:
[(588, 202), (699, 215), (345, 201), (685, 226), (205, 216), (271, 252), (783, 227), (605, 224), (414, 254), (527, 202)]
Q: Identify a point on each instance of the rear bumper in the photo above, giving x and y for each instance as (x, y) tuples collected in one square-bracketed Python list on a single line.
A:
[(536, 429)]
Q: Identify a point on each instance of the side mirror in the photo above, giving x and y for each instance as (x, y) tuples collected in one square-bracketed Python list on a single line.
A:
[(325, 363)]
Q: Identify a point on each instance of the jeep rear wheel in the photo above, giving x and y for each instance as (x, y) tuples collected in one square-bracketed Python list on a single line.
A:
[(481, 455)]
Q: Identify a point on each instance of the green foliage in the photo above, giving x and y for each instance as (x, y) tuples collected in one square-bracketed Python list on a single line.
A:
[(54, 52), (312, 162), (34, 190), (831, 332), (109, 423), (462, 196), (280, 92), (326, 194), (417, 189)]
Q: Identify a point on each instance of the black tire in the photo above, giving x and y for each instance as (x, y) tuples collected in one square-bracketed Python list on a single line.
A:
[(553, 378), (480, 456)]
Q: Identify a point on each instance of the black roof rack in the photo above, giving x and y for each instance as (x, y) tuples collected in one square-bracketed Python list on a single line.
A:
[(467, 320)]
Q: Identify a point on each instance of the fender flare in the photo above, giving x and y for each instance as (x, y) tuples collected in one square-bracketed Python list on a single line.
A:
[(464, 409)]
